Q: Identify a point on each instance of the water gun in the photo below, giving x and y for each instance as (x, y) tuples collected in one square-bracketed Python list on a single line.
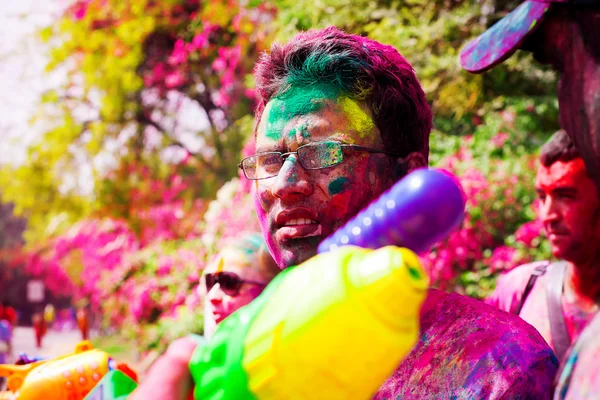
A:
[(115, 385), (338, 325), (69, 377)]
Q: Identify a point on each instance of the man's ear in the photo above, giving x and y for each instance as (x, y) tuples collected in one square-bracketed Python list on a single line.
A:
[(410, 163)]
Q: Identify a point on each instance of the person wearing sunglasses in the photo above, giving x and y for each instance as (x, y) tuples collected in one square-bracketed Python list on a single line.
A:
[(238, 274)]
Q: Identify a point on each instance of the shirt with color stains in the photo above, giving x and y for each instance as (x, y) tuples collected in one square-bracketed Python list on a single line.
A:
[(579, 378), (509, 292), (470, 350)]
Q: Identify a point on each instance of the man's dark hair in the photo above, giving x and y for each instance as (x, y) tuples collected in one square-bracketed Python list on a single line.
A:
[(560, 147), (363, 70)]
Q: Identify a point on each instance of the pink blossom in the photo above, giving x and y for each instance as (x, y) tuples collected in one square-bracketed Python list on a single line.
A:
[(219, 64), (80, 9), (502, 259), (173, 79), (508, 116), (200, 41), (500, 139), (165, 264), (179, 54), (528, 232)]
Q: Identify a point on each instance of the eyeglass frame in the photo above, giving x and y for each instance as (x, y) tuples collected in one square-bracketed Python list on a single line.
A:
[(234, 292), (284, 156)]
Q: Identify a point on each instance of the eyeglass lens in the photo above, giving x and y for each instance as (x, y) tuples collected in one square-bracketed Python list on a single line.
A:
[(311, 156)]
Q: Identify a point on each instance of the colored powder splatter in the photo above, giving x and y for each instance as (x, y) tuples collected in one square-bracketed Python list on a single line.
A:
[(294, 102), (580, 376), (220, 264), (414, 273), (304, 131), (469, 350), (360, 121), (338, 185)]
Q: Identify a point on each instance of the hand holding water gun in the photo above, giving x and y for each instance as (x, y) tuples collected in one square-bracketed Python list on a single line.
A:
[(338, 325), (69, 377)]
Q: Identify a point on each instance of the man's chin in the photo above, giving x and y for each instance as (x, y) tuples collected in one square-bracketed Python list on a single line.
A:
[(563, 253), (295, 252)]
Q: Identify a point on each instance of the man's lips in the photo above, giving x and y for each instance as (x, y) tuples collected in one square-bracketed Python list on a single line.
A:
[(557, 234), (298, 231), (296, 223)]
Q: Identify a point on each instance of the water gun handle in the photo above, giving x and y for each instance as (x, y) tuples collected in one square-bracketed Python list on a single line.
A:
[(16, 374), (115, 385)]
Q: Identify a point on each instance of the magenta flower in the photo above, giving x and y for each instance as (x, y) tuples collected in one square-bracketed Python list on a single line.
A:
[(528, 232)]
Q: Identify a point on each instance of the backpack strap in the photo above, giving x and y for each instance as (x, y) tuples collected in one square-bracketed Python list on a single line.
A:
[(558, 328), (537, 272)]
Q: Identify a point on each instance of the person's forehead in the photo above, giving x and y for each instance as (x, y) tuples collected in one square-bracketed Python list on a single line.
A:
[(300, 117), (562, 173)]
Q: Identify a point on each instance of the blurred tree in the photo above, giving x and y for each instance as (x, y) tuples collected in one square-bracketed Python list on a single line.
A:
[(148, 83), (12, 258)]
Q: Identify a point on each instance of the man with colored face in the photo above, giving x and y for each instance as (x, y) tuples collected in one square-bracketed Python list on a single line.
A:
[(566, 35), (558, 298), (341, 118)]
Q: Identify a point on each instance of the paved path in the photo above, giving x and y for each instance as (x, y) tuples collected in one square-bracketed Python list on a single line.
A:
[(54, 343)]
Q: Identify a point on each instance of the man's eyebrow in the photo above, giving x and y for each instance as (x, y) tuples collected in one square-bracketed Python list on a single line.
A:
[(565, 189), (268, 149), (557, 189)]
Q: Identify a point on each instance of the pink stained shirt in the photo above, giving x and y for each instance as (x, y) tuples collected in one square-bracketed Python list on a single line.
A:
[(508, 294), (579, 378), (469, 350)]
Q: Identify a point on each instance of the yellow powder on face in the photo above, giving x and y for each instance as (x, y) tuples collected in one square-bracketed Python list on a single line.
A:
[(360, 121), (220, 264)]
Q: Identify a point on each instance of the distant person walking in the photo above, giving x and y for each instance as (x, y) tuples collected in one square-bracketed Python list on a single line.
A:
[(83, 323), (39, 327), (8, 313), (49, 315)]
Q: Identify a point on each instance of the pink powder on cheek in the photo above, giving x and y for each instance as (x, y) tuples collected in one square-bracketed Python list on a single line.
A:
[(263, 220), (258, 207)]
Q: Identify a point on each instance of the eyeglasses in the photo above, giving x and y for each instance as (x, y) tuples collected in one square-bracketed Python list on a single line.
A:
[(229, 282), (316, 155)]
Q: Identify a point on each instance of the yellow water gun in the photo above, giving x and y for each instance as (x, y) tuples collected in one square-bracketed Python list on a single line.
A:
[(69, 377)]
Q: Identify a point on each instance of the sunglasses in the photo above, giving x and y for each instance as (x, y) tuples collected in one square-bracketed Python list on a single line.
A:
[(229, 282)]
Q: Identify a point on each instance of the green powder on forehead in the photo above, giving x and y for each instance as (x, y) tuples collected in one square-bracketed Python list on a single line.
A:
[(296, 101)]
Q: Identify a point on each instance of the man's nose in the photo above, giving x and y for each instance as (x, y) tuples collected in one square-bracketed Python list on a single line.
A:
[(215, 295), (549, 210), (292, 179)]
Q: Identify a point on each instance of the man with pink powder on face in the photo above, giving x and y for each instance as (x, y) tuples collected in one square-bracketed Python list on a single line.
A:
[(341, 119), (566, 35), (560, 301)]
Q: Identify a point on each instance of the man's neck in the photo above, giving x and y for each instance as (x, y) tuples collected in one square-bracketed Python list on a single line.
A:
[(582, 284)]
